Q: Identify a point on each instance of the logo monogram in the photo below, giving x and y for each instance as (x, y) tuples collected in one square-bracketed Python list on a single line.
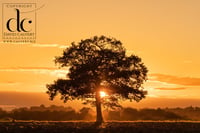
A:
[(19, 24)]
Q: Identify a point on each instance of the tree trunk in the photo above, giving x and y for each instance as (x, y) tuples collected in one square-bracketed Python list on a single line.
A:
[(99, 117)]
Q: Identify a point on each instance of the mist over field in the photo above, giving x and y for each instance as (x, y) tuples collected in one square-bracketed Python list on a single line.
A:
[(11, 100), (61, 113)]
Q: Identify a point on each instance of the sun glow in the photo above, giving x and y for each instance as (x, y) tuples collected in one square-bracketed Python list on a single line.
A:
[(102, 94)]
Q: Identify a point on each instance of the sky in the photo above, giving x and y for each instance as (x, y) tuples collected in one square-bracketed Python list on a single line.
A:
[(164, 33)]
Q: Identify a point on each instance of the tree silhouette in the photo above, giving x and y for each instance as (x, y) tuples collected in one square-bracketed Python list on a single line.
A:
[(99, 64)]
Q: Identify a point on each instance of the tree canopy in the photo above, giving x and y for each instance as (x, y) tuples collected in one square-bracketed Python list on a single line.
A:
[(99, 64)]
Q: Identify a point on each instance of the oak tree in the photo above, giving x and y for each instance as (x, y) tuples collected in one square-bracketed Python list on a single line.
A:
[(99, 64)]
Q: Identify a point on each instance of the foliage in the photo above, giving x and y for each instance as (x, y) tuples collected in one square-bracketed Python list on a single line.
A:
[(99, 63)]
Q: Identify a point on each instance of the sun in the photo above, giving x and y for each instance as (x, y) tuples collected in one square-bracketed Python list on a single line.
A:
[(102, 94)]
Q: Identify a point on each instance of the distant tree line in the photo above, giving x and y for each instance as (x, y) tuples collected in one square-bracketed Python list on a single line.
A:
[(61, 113), (51, 113)]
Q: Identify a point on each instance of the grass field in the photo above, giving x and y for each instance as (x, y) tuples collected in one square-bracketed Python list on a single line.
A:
[(108, 127)]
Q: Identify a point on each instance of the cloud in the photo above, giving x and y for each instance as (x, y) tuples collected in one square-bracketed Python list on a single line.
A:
[(41, 45), (41, 70), (27, 68), (49, 45), (187, 81), (8, 83), (180, 88)]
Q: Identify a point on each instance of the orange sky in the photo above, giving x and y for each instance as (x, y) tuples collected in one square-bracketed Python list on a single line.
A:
[(165, 34)]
